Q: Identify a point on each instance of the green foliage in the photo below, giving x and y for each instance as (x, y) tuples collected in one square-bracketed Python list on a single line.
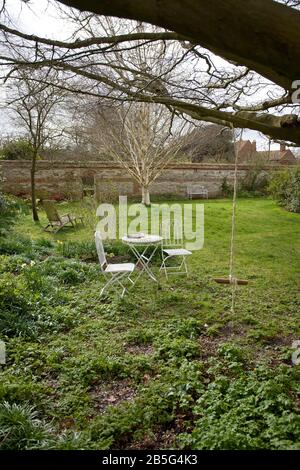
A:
[(71, 440), (86, 250), (10, 209), (69, 272), (12, 264), (139, 336), (32, 302), (86, 369), (83, 250), (17, 244), (253, 410), (167, 360), (21, 428), (19, 149), (285, 188), (16, 308), (254, 184), (226, 188), (156, 405), (176, 349), (9, 205), (256, 179), (233, 354), (21, 386)]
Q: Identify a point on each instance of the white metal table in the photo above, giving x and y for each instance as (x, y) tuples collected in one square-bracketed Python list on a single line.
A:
[(149, 245)]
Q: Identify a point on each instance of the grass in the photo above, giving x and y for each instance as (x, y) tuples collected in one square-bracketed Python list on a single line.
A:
[(169, 366)]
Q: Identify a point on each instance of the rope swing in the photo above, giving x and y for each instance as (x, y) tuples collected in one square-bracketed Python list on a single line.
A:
[(232, 279)]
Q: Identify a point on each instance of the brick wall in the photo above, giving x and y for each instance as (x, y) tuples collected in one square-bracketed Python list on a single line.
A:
[(67, 179)]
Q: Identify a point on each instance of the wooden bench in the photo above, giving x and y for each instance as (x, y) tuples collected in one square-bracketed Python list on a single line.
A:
[(196, 190)]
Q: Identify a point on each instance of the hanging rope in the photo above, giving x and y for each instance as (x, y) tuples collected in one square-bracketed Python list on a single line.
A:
[(232, 277)]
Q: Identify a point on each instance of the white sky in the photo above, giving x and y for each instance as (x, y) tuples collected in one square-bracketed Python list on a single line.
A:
[(40, 17)]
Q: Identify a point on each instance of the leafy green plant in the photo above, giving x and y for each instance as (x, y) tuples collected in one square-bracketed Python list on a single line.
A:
[(19, 149), (19, 387), (177, 348), (285, 188), (16, 309), (17, 244), (71, 440), (87, 369), (13, 264), (255, 180), (226, 189), (9, 205), (83, 250), (232, 353), (21, 428), (68, 272), (132, 372), (254, 410)]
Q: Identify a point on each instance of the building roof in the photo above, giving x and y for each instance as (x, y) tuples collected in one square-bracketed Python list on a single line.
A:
[(247, 148), (277, 155)]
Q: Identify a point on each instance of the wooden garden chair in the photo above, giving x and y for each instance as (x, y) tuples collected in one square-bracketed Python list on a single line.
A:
[(56, 221)]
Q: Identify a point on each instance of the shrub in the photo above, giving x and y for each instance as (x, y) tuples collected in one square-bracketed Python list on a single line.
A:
[(19, 149), (253, 184), (256, 179), (285, 188), (226, 188)]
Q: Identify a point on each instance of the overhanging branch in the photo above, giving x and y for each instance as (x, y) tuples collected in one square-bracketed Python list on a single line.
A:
[(263, 35), (286, 127)]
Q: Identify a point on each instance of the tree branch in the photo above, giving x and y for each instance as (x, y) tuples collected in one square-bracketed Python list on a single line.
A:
[(262, 35)]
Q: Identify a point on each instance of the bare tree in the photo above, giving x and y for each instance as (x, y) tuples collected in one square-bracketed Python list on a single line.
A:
[(262, 35), (252, 89), (141, 139), (34, 105), (209, 143)]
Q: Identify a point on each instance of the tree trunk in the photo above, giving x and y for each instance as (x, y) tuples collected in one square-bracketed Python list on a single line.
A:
[(145, 196), (33, 194)]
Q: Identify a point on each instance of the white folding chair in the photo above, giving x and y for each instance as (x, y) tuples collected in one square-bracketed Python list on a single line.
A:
[(115, 272), (172, 247)]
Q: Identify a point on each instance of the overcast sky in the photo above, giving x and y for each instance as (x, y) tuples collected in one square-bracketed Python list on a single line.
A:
[(41, 17)]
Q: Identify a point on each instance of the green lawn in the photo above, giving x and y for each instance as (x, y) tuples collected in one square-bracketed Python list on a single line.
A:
[(169, 366)]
